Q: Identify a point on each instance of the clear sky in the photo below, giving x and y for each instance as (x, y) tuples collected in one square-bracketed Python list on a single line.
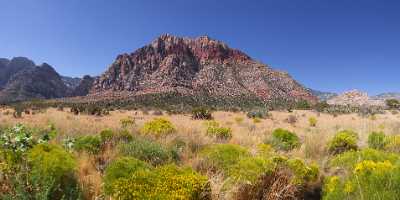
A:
[(332, 45)]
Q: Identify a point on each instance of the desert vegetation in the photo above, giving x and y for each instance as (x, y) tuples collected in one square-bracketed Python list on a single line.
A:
[(108, 153)]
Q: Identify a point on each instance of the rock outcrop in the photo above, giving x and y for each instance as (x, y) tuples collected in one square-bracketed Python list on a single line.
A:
[(196, 66), (355, 98)]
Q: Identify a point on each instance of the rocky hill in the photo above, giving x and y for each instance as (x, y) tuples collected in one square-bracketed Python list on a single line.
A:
[(34, 82), (355, 98), (199, 66), (8, 68)]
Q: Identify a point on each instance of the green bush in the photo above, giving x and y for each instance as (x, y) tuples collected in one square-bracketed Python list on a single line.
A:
[(393, 103), (166, 182), (343, 141), (248, 170), (90, 144), (124, 136), (121, 168), (215, 130), (260, 114), (201, 113), (221, 157), (52, 173), (285, 140), (303, 105), (377, 140), (158, 127), (106, 135), (148, 151)]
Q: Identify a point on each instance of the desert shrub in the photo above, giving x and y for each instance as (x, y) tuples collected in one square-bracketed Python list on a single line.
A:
[(312, 121), (123, 136), (166, 182), (282, 139), (393, 103), (158, 127), (369, 180), (321, 106), (343, 141), (52, 173), (302, 173), (121, 168), (215, 130), (201, 113), (148, 151), (18, 111), (257, 114), (127, 122), (348, 160), (248, 170), (90, 144), (302, 105), (377, 140), (221, 157), (279, 174), (106, 135)]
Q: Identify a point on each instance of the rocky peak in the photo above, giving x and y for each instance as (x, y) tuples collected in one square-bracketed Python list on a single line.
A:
[(20, 62), (196, 65)]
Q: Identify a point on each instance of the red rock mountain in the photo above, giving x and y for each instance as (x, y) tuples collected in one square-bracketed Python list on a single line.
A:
[(196, 66)]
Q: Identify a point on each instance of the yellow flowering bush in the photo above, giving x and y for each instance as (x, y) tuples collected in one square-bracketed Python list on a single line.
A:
[(220, 157), (343, 141), (121, 168), (369, 180), (166, 182), (158, 127), (312, 121), (349, 160)]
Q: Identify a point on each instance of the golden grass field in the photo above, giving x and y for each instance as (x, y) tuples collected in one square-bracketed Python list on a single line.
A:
[(246, 132)]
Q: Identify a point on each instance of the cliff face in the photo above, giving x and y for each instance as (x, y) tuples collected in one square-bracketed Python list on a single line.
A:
[(196, 66)]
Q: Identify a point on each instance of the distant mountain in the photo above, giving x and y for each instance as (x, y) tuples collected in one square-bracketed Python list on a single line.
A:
[(323, 96), (84, 86), (70, 82), (388, 95), (33, 82), (196, 67), (8, 68)]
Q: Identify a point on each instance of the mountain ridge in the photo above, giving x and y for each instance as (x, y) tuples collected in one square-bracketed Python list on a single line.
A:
[(196, 65)]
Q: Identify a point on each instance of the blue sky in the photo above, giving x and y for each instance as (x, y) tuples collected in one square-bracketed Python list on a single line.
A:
[(331, 45)]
